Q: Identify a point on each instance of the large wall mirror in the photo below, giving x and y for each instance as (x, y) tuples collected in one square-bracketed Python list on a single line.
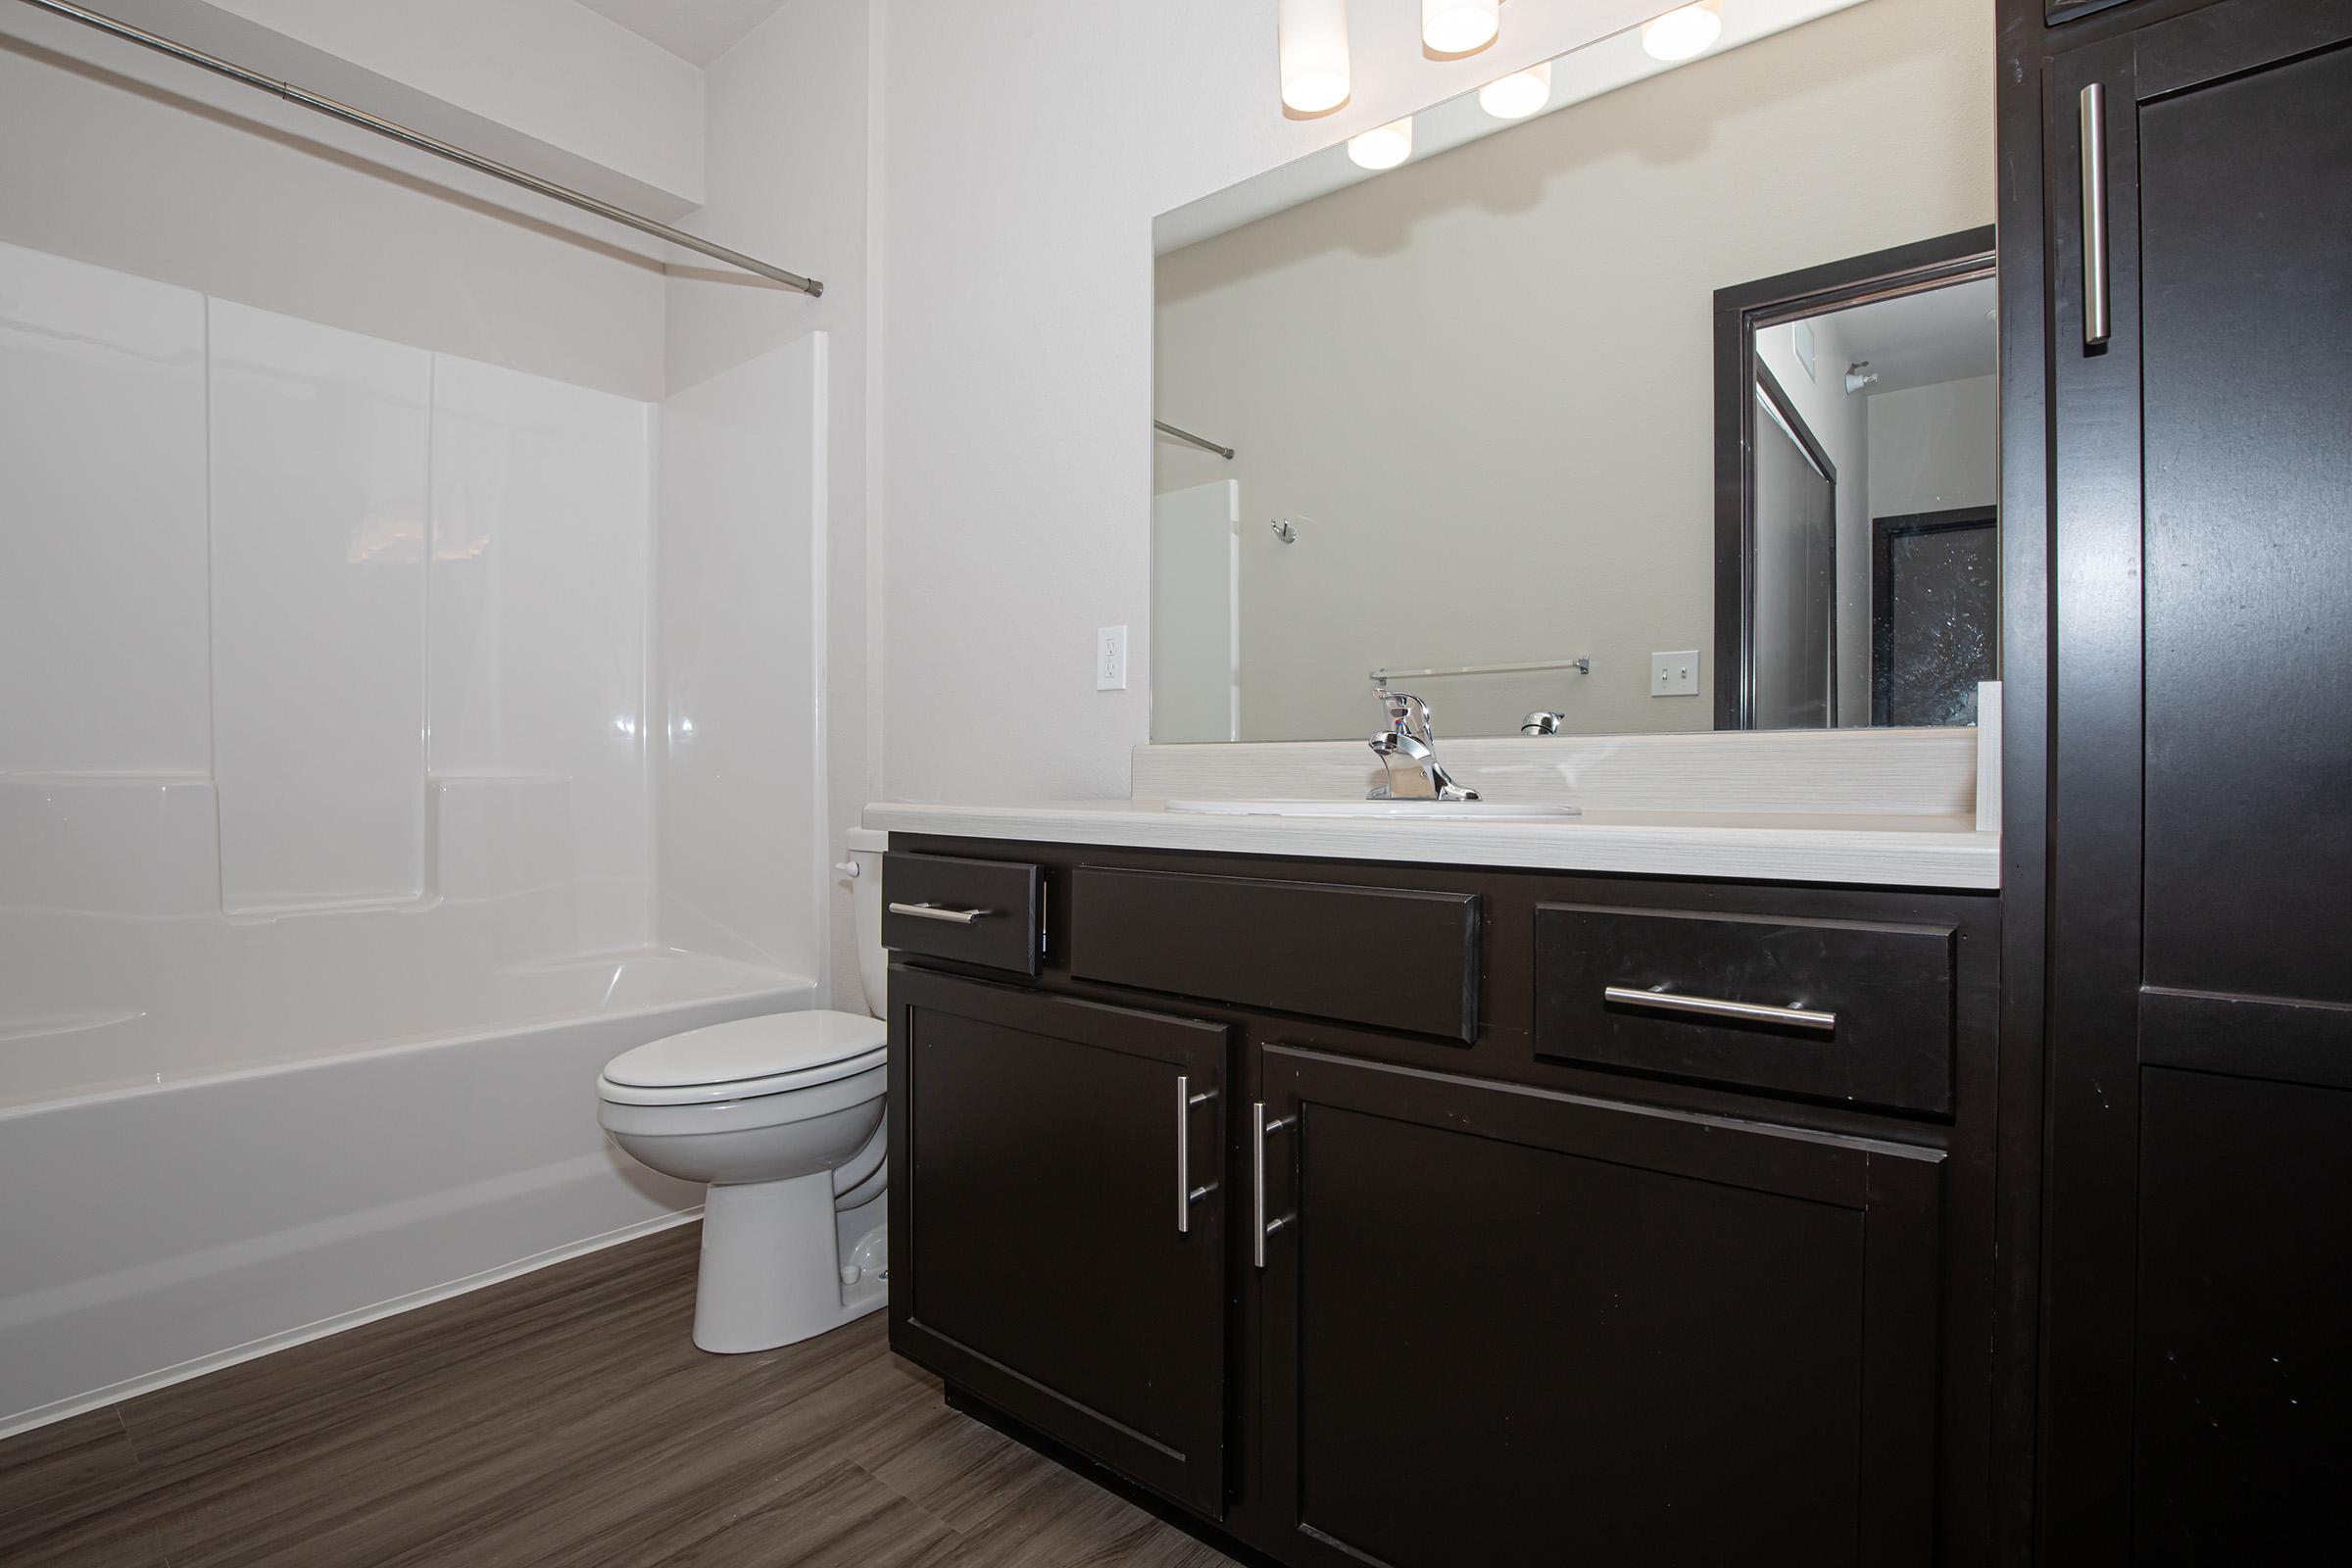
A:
[(1668, 405)]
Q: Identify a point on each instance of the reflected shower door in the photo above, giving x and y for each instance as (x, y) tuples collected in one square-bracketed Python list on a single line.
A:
[(1794, 628)]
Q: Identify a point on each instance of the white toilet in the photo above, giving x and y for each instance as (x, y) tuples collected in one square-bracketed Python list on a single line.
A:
[(782, 1115)]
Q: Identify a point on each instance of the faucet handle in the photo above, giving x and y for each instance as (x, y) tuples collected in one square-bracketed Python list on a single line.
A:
[(1409, 715)]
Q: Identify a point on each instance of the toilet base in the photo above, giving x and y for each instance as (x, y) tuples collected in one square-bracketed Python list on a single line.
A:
[(772, 1266)]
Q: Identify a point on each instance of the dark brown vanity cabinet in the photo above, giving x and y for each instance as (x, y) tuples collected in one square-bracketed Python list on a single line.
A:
[(1506, 1325), (1057, 1219), (1474, 1263), (2193, 1396)]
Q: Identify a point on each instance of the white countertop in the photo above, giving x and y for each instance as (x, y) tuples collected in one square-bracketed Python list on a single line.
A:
[(1882, 850)]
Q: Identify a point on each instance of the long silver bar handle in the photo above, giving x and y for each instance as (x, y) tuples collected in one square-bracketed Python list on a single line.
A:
[(2093, 105), (940, 912), (1259, 1226), (1717, 1007), (1187, 1195)]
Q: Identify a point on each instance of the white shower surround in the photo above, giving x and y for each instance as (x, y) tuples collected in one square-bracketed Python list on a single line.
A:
[(350, 818)]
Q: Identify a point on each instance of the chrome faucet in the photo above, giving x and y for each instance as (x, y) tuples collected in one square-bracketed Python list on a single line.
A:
[(1411, 735)]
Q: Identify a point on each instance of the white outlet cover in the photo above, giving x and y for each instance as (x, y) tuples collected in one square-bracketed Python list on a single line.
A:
[(1674, 675), (1111, 658)]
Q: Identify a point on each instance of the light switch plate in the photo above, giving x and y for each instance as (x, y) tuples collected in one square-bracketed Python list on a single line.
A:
[(1111, 658), (1674, 675)]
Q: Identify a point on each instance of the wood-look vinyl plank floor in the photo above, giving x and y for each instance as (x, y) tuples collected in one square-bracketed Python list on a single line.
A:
[(560, 1420)]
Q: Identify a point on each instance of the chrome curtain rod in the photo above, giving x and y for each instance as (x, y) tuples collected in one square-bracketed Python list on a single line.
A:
[(418, 139), (1582, 666), (1201, 441)]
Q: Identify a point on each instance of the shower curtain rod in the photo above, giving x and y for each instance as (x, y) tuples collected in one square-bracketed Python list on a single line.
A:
[(418, 139), (1201, 441)]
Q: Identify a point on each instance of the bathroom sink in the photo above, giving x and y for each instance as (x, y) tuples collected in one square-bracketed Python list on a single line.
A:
[(1392, 810)]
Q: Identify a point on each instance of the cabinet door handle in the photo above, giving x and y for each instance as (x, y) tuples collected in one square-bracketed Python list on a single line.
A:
[(1717, 1007), (940, 912), (1187, 1195), (1259, 1226), (2093, 106)]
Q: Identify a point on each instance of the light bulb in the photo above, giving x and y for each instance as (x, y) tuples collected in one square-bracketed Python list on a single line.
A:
[(1312, 43), (1384, 148), (1457, 27), (1684, 33), (1519, 94)]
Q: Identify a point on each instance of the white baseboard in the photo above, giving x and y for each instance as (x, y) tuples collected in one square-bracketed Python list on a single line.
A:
[(132, 1389)]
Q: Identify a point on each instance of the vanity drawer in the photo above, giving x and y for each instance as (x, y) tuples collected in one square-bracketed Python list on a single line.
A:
[(1387, 958), (1829, 1010), (988, 913)]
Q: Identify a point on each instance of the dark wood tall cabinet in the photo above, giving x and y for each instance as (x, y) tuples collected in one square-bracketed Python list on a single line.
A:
[(2192, 984)]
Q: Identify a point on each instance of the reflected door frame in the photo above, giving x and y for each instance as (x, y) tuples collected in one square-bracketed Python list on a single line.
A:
[(1740, 311)]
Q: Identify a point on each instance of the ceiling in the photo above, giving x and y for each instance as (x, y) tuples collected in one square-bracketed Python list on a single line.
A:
[(1944, 334), (698, 31), (1600, 66)]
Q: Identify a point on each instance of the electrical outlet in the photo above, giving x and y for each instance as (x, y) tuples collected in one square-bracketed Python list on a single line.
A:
[(1111, 658), (1674, 675)]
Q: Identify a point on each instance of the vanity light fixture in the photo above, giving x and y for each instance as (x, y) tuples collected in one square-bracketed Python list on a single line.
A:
[(1384, 147), (1311, 41), (1684, 33), (1458, 26), (1519, 94)]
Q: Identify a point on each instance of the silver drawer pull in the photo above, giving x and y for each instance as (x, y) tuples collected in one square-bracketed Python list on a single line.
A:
[(1717, 1007), (940, 912)]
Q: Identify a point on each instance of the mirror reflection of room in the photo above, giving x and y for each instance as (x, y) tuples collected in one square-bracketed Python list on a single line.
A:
[(1857, 562), (1471, 401)]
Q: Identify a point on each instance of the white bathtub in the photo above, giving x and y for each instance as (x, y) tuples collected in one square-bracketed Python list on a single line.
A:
[(187, 1181)]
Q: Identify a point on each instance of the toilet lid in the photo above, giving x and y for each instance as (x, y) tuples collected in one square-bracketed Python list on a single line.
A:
[(768, 1046)]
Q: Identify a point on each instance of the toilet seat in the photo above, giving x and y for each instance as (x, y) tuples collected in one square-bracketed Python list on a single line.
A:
[(746, 1059)]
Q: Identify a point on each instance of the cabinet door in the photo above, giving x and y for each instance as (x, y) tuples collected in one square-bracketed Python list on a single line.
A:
[(1504, 1325), (1056, 1219), (2197, 1388)]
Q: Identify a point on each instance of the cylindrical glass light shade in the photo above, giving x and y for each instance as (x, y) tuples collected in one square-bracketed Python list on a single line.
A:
[(1385, 148), (1684, 33), (1457, 27), (1314, 46), (1519, 94)]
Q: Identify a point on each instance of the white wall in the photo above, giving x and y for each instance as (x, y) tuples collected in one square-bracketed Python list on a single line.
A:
[(552, 71), (1936, 448), (1488, 376), (200, 183), (542, 506), (791, 163), (105, 587), (117, 156), (349, 589), (742, 492), (1029, 147), (1196, 612)]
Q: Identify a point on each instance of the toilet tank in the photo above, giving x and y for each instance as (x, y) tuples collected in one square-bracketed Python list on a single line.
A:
[(865, 848)]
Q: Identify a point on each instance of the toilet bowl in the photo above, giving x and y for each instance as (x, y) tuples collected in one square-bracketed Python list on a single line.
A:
[(781, 1115)]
